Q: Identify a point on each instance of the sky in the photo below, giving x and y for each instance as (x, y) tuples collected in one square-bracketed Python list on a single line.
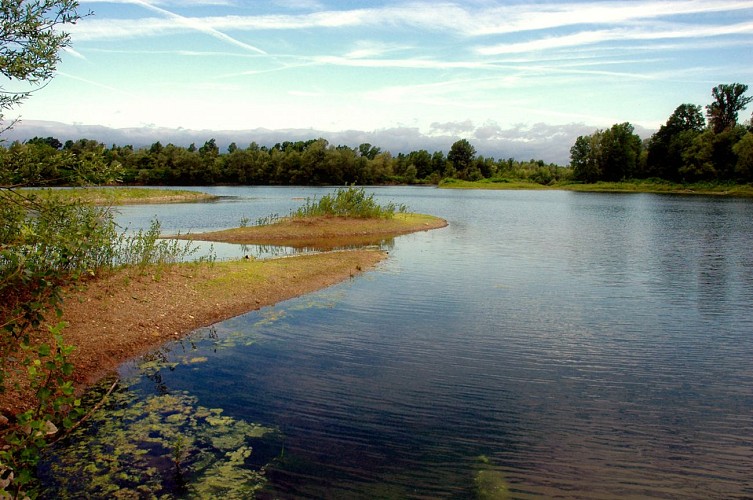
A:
[(494, 72)]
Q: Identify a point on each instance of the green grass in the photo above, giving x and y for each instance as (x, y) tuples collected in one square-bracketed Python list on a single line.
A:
[(632, 186), (123, 195), (350, 202), (660, 186), (494, 184)]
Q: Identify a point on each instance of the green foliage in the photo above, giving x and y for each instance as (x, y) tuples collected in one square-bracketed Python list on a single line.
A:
[(48, 371), (461, 156), (729, 100), (744, 151), (47, 243), (30, 42), (350, 202), (610, 155), (682, 150), (315, 162), (146, 248)]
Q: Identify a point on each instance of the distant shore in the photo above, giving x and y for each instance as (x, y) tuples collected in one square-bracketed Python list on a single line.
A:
[(126, 195), (634, 186)]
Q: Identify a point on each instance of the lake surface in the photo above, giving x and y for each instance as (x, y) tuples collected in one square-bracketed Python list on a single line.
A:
[(570, 345)]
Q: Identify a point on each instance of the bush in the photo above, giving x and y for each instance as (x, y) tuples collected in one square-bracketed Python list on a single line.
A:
[(47, 243), (350, 202)]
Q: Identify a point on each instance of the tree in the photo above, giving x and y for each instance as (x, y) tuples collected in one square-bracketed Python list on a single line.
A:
[(49, 141), (583, 158), (698, 159), (368, 151), (744, 151), (461, 156), (30, 42), (729, 100), (421, 160), (606, 155), (621, 151), (666, 146)]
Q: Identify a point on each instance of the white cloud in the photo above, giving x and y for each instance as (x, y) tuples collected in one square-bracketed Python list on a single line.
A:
[(618, 35), (451, 18)]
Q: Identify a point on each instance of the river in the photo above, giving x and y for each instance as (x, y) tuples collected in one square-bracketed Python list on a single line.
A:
[(546, 344)]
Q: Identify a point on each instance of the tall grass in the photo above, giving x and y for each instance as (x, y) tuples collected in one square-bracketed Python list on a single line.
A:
[(349, 202)]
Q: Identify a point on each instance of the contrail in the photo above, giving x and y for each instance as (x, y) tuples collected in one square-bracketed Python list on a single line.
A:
[(193, 24)]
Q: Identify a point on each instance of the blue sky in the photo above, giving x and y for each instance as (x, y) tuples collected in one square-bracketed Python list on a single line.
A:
[(482, 69)]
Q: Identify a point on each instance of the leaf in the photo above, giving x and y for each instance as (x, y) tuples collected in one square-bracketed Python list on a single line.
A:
[(44, 350)]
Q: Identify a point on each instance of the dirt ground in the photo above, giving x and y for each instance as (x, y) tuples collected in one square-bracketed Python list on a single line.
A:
[(124, 314)]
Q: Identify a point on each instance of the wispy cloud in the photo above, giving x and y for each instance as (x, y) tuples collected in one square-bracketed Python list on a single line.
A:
[(452, 18), (196, 24), (94, 83), (74, 53), (540, 16), (616, 35), (172, 22)]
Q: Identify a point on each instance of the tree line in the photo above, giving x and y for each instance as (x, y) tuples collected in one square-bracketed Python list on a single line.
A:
[(48, 161), (689, 147)]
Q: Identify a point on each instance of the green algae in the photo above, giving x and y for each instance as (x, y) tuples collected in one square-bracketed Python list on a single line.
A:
[(164, 446), (489, 483)]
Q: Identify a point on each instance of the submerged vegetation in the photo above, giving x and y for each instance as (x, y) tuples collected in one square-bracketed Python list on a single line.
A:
[(164, 446)]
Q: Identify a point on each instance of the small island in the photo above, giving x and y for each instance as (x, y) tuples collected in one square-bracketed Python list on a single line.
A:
[(347, 218), (324, 232)]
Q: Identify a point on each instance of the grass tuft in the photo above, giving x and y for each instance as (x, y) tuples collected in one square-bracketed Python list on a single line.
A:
[(350, 202)]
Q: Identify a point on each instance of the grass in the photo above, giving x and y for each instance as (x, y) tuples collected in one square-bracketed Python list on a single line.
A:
[(493, 184), (350, 202), (660, 186), (631, 186), (124, 195)]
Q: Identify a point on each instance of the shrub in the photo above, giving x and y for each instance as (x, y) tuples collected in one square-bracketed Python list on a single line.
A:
[(350, 202), (47, 243)]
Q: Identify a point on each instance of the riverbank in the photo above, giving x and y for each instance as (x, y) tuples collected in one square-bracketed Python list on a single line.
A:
[(633, 186), (128, 312), (125, 195)]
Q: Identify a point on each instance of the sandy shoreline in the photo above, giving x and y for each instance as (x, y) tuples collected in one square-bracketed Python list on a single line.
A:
[(126, 313)]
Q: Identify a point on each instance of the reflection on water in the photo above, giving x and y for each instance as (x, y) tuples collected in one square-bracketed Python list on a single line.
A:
[(548, 344)]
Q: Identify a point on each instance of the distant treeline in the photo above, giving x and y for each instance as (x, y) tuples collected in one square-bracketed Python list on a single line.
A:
[(47, 161), (685, 149)]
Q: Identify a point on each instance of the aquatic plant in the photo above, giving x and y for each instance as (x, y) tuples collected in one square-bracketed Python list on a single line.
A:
[(489, 483), (164, 446), (269, 219)]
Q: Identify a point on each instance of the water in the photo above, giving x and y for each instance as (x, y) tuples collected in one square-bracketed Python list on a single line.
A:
[(571, 345)]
